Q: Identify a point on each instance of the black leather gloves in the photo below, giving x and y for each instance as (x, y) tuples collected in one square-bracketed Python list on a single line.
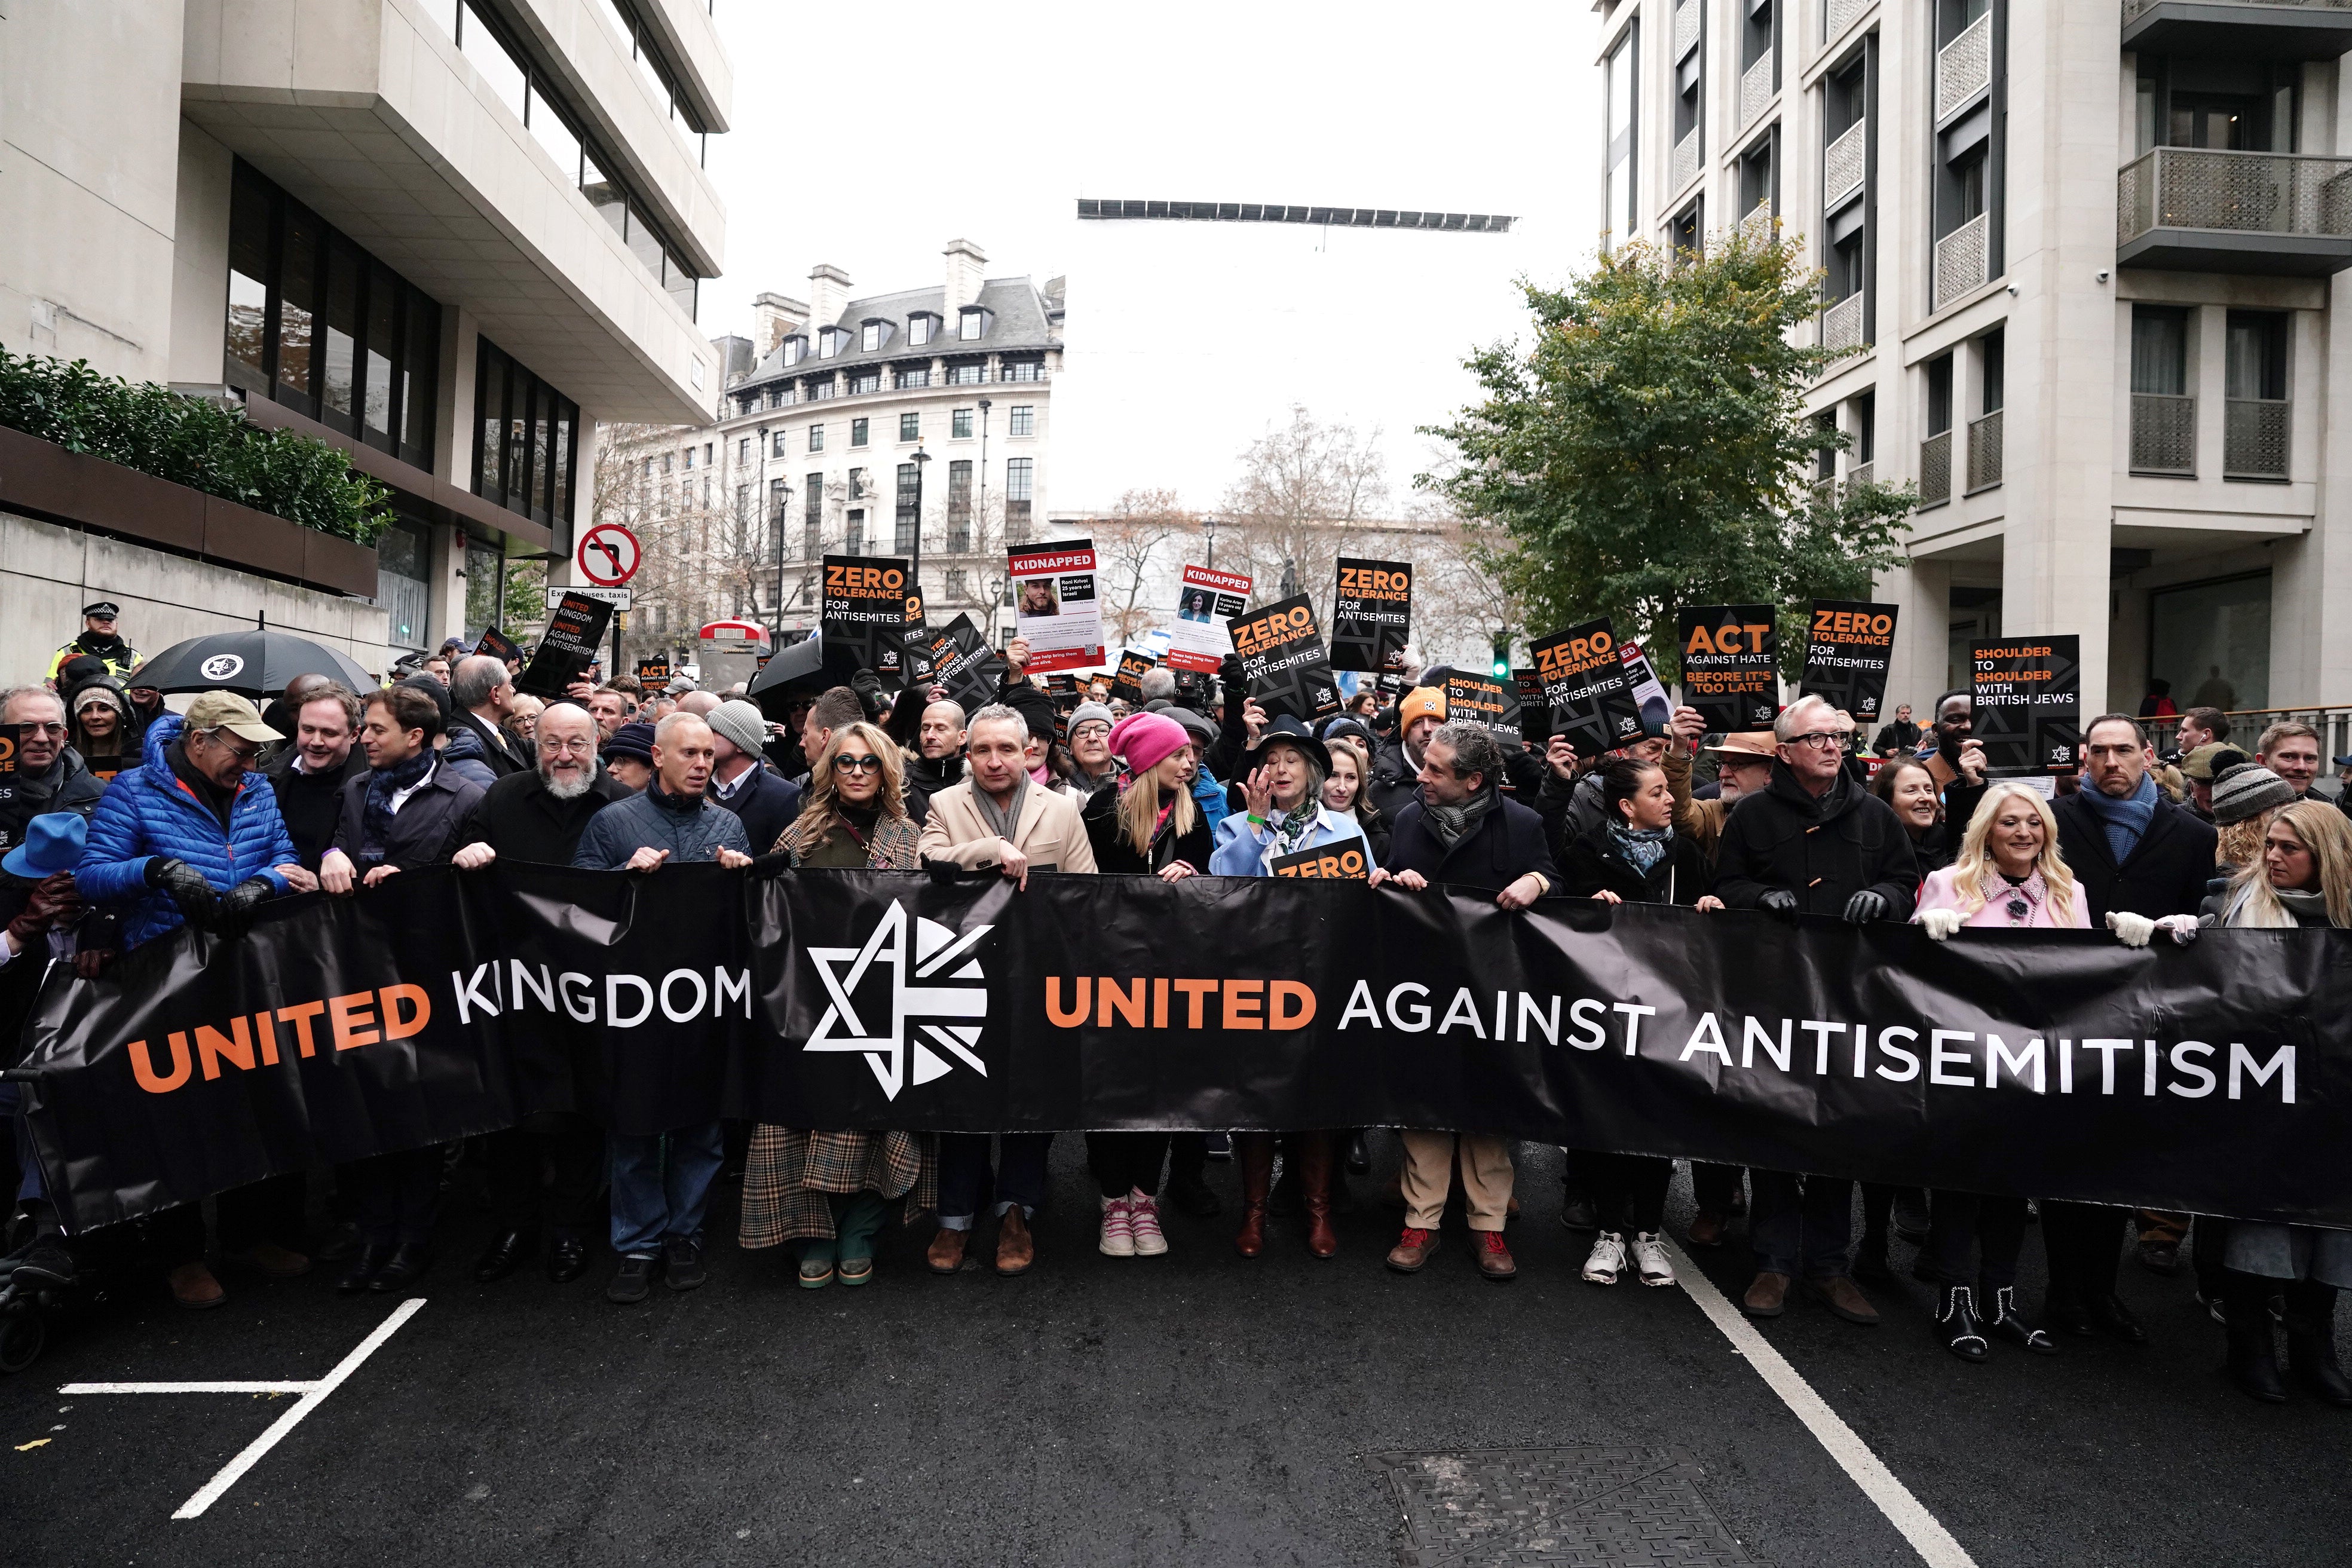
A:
[(1779, 901), (234, 914), (1865, 907), (185, 886)]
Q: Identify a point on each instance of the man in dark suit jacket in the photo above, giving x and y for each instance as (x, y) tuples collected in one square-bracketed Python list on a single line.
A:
[(1462, 830), (481, 693)]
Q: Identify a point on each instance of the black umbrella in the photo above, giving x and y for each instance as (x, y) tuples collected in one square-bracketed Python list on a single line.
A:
[(797, 672), (258, 663)]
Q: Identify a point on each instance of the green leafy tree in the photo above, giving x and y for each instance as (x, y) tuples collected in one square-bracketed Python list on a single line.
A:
[(1652, 449)]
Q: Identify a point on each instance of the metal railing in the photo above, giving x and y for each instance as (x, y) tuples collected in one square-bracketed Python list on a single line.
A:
[(1984, 452), (2247, 192), (1757, 224), (1936, 469), (1840, 15), (2247, 724), (1685, 28), (2163, 433), (1842, 164), (1755, 89), (1960, 260), (1860, 474), (1841, 323), (2254, 438), (1686, 168), (1964, 66)]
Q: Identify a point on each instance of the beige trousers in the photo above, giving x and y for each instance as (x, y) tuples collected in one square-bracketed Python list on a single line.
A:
[(1429, 1174)]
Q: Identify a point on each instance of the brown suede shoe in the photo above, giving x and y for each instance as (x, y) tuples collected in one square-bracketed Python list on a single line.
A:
[(1767, 1295), (193, 1286), (273, 1261), (1841, 1296), (1494, 1259), (945, 1254), (1413, 1250), (1705, 1228), (1016, 1250)]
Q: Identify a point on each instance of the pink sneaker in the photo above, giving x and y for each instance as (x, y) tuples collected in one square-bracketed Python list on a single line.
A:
[(1143, 1218), (1118, 1239)]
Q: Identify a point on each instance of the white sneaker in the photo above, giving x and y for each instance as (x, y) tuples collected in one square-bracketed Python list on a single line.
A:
[(1650, 1257), (1602, 1265), (1143, 1218), (1118, 1239)]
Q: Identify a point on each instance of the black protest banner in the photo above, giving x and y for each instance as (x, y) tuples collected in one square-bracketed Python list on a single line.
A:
[(567, 647), (1371, 615), (1847, 647), (1731, 664), (863, 614), (653, 673), (1282, 660), (1345, 859), (442, 1004), (1535, 711), (1584, 684), (961, 659), (499, 646), (1480, 700), (1127, 682), (2026, 701)]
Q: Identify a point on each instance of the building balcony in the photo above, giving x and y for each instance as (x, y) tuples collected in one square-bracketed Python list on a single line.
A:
[(1984, 452), (1685, 28), (1756, 89), (1936, 471), (1686, 167), (1964, 68), (1757, 226), (2163, 433), (1841, 323), (1961, 264), (1860, 474), (2263, 29), (2254, 438), (1843, 162), (2197, 209), (1839, 15)]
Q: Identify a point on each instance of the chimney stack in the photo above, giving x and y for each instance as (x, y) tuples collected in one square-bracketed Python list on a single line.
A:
[(828, 295), (967, 263), (776, 319)]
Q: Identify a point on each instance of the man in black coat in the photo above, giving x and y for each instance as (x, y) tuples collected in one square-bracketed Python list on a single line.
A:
[(1463, 831), (480, 694), (1812, 841), (741, 781), (309, 774), (2140, 863), (538, 818)]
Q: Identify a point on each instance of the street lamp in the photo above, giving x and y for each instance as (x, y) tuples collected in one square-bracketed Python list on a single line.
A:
[(1209, 528), (995, 595), (985, 406), (915, 555), (776, 526)]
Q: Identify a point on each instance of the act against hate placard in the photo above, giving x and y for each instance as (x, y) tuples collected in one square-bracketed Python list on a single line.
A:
[(1731, 664)]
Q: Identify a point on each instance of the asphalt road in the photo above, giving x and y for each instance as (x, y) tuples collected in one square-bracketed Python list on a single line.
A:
[(1195, 1408)]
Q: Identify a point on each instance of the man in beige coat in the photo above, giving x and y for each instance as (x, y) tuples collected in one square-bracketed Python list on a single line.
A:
[(999, 817)]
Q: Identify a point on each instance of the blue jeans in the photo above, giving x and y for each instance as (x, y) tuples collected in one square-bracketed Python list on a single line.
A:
[(1806, 1220), (661, 1184), (963, 1174)]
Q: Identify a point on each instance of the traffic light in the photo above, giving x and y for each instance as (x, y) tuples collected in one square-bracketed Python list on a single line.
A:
[(1502, 656)]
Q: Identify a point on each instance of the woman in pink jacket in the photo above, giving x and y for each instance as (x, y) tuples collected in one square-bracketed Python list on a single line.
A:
[(2008, 875)]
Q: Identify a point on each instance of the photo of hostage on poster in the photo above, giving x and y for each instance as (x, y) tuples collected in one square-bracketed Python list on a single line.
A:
[(1486, 700), (2028, 695), (1053, 605), (1206, 601), (1372, 615), (1847, 646), (1731, 664), (1585, 686), (1282, 660), (864, 616)]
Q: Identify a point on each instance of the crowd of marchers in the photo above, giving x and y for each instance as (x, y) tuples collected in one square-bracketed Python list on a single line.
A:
[(129, 819)]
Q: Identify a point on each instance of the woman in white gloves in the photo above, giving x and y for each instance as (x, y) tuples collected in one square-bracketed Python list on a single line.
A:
[(2008, 875)]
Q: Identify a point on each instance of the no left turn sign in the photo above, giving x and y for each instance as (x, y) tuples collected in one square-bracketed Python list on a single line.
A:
[(608, 555)]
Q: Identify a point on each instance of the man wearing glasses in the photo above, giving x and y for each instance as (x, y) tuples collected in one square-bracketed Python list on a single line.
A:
[(538, 816), (1812, 841), (1090, 747), (50, 776)]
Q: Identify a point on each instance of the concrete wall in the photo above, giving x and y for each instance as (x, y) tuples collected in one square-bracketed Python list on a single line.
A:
[(48, 572), (200, 258)]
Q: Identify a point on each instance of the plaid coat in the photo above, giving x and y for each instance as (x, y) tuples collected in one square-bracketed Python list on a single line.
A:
[(791, 1171)]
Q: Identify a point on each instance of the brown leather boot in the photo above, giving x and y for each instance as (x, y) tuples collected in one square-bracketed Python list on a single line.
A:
[(1017, 1248), (1253, 1151), (945, 1255), (1314, 1151)]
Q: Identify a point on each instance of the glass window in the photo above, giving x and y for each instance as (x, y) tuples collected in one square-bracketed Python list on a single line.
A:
[(689, 460), (605, 195), (491, 58), (681, 285), (297, 304), (2212, 641), (1018, 476), (869, 337), (909, 509), (420, 380), (382, 341), (960, 424), (971, 323), (857, 484), (959, 505), (778, 443), (547, 124), (855, 544), (857, 432), (1025, 419), (918, 330), (248, 274), (564, 455), (2159, 351), (644, 243), (829, 342), (911, 426), (813, 516), (816, 439), (490, 418), (344, 266), (529, 440), (743, 450), (2256, 365)]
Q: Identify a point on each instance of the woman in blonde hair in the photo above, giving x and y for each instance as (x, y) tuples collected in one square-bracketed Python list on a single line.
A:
[(2303, 878), (832, 1189), (2007, 875)]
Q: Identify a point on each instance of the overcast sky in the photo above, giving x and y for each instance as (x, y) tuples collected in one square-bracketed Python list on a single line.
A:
[(871, 144)]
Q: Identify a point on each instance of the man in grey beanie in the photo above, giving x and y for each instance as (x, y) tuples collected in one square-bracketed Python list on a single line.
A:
[(741, 782), (1090, 725)]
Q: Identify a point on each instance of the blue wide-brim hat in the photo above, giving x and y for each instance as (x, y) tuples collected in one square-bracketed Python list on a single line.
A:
[(53, 842)]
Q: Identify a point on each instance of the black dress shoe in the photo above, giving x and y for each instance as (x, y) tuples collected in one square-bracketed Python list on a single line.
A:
[(504, 1255), (2116, 1320), (406, 1265), (1360, 1157), (343, 1241), (364, 1267), (1194, 1198), (567, 1260), (2069, 1316)]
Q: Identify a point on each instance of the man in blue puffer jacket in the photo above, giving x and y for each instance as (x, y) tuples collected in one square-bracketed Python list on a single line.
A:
[(193, 835)]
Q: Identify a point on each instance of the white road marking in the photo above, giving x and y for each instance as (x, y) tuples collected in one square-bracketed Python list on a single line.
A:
[(313, 1393), (1928, 1537)]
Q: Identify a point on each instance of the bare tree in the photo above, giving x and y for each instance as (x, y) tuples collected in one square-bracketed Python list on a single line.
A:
[(1303, 487), (1130, 547)]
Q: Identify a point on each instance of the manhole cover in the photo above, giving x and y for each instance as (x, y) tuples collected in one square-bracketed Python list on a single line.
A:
[(1523, 1506)]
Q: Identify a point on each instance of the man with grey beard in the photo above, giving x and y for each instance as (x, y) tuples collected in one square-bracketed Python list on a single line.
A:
[(538, 816)]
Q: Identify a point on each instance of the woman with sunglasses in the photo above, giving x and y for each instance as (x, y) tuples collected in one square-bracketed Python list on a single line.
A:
[(833, 1191)]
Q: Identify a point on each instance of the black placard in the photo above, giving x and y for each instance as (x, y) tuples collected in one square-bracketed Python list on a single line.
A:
[(1127, 682), (1535, 713), (653, 674), (1480, 698), (1584, 685), (959, 659), (2027, 702), (1282, 656), (864, 615), (1847, 646), (1371, 615), (1731, 664), (499, 646), (568, 646), (1345, 858)]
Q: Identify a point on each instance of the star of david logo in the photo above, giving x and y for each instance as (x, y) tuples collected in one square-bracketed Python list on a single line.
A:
[(908, 1030)]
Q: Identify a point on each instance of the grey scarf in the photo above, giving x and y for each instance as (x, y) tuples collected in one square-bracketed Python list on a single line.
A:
[(1452, 823), (1005, 820)]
